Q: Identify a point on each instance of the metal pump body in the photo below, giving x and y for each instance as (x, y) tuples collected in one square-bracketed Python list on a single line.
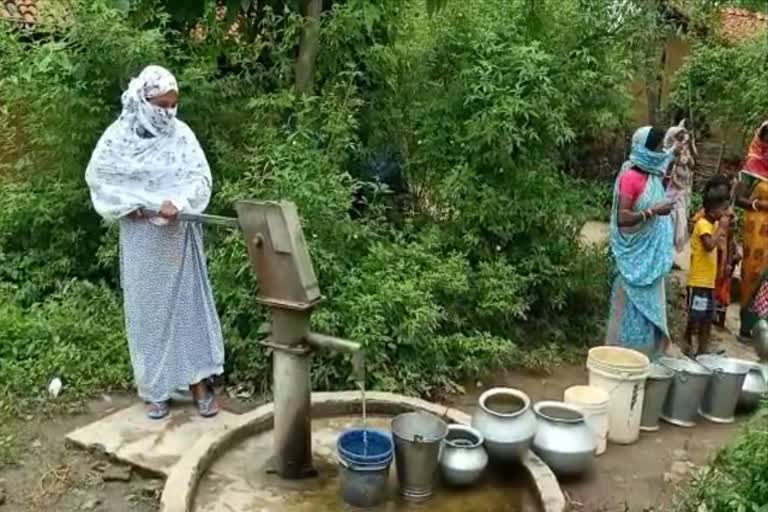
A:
[(288, 286)]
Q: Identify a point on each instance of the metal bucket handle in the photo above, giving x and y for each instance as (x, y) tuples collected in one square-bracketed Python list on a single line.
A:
[(682, 374), (699, 364)]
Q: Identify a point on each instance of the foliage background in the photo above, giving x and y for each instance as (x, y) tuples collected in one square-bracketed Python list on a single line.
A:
[(427, 167), (736, 480)]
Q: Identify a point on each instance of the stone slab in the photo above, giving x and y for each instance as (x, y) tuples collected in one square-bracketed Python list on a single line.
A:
[(155, 446)]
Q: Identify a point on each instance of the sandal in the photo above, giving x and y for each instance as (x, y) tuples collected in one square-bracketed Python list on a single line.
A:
[(159, 410), (207, 407)]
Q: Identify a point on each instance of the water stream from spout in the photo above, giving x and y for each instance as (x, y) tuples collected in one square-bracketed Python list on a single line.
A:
[(358, 363)]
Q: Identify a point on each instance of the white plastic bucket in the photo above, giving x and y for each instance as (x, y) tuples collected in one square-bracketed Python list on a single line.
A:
[(624, 382), (610, 358), (594, 403)]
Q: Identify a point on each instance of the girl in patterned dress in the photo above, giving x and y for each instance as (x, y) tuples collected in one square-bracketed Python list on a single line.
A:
[(149, 159)]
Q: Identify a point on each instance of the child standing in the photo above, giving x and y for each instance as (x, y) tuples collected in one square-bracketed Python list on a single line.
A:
[(709, 232), (728, 251)]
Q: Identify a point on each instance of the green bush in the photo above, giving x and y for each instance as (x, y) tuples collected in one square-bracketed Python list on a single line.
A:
[(737, 479), (477, 265), (76, 335)]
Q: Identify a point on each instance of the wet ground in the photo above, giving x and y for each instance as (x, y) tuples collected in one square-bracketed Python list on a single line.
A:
[(50, 476), (635, 478), (239, 482)]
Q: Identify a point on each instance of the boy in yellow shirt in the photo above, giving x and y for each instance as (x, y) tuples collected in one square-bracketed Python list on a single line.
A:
[(709, 231)]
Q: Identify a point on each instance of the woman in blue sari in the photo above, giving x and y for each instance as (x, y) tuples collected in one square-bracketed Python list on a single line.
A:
[(642, 247)]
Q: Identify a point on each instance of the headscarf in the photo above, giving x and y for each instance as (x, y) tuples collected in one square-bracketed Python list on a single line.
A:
[(671, 137), (147, 155), (153, 81), (757, 156), (644, 158)]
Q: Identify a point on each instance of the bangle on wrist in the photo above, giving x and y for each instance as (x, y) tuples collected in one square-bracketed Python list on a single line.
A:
[(754, 204), (643, 215)]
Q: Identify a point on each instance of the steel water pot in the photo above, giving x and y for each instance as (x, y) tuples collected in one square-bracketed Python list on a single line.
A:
[(507, 422), (760, 339), (754, 389), (563, 439), (463, 458)]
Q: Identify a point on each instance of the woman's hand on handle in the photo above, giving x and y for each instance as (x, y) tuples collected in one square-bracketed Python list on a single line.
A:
[(168, 210)]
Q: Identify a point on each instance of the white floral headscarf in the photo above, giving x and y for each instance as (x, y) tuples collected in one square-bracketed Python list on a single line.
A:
[(148, 156), (153, 81)]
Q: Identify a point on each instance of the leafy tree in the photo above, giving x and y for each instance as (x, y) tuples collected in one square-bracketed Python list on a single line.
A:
[(725, 85), (475, 265)]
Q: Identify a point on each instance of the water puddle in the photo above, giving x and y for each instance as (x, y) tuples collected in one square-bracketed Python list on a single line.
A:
[(238, 482)]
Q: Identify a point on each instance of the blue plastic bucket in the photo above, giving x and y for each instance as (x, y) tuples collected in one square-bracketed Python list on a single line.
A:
[(353, 447), (364, 468)]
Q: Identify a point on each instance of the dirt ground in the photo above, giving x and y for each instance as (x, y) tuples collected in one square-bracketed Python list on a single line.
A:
[(636, 478), (49, 476), (639, 477)]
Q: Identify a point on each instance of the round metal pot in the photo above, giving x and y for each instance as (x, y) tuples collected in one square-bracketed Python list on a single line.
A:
[(754, 389), (507, 423), (656, 389), (563, 439), (681, 408), (719, 401), (760, 339), (463, 458)]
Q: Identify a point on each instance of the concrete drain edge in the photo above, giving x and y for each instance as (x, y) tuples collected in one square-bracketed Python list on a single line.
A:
[(181, 486)]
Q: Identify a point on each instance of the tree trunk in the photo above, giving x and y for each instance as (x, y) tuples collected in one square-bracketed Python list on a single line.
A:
[(651, 94), (661, 76), (309, 46), (654, 85)]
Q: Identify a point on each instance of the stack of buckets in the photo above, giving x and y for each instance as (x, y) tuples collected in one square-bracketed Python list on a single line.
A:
[(364, 458), (621, 374)]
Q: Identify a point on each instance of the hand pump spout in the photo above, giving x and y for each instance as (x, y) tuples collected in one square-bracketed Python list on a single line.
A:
[(332, 343)]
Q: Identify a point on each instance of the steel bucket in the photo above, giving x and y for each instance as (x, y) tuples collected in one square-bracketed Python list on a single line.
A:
[(418, 437), (689, 384), (722, 395), (656, 390)]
